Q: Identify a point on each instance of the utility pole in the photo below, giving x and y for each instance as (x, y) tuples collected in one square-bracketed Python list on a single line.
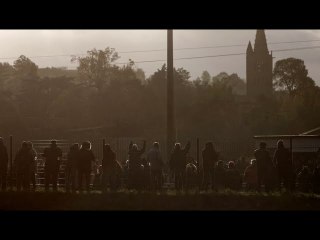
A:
[(171, 135)]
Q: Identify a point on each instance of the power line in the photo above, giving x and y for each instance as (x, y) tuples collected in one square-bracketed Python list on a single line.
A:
[(224, 55), (159, 50)]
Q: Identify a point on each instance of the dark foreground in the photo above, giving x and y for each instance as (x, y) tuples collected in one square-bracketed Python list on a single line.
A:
[(152, 201)]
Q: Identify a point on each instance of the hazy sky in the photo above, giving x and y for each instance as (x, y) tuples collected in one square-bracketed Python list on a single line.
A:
[(67, 42)]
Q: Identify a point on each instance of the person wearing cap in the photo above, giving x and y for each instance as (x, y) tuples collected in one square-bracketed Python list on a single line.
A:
[(3, 165), (52, 156)]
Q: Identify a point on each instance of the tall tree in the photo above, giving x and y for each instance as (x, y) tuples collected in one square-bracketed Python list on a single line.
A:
[(291, 75), (97, 67)]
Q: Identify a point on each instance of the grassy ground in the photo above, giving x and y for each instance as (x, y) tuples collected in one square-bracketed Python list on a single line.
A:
[(169, 200)]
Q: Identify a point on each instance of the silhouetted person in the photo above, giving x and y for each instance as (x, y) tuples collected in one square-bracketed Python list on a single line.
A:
[(23, 162), (283, 163), (209, 160), (86, 158), (52, 155), (191, 174), (241, 165), (3, 165), (135, 165), (264, 165), (233, 177), (219, 176), (71, 167), (32, 165), (111, 169), (304, 179), (178, 164), (250, 176), (316, 179), (156, 164)]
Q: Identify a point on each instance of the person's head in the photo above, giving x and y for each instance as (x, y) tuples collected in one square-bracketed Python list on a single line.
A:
[(1, 141), (53, 143), (75, 146), (107, 147), (280, 144), (177, 146), (24, 145), (30, 145), (209, 145), (156, 145), (253, 162), (220, 163), (263, 145), (86, 145), (231, 165), (134, 147)]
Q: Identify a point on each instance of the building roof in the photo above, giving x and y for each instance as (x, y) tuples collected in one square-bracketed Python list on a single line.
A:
[(286, 136)]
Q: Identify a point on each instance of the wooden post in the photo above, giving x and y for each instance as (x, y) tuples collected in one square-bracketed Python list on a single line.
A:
[(11, 162), (171, 135)]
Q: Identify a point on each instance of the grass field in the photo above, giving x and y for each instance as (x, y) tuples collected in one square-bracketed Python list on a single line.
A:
[(169, 200)]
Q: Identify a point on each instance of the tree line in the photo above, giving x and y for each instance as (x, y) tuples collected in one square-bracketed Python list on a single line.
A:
[(121, 101)]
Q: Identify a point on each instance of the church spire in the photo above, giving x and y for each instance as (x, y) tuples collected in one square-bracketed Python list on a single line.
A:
[(249, 48), (260, 45)]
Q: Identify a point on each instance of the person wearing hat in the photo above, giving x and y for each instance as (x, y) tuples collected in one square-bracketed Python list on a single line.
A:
[(52, 156)]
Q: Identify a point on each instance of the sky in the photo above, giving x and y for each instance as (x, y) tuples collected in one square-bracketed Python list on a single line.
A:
[(33, 43)]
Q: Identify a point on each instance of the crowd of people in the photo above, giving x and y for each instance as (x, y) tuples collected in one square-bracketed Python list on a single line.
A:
[(146, 171)]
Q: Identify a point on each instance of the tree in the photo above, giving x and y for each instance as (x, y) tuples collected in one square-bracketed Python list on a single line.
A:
[(291, 75), (97, 67), (25, 68), (205, 77)]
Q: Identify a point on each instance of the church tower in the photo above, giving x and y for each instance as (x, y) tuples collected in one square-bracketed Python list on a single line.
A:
[(259, 67)]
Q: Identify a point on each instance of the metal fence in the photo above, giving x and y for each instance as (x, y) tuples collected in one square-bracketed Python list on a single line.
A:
[(227, 150)]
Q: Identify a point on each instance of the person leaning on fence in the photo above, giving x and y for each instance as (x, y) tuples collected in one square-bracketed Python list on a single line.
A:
[(219, 176), (250, 176), (86, 158), (264, 165), (233, 178), (71, 167), (283, 163), (209, 160), (178, 162), (32, 165), (52, 155), (111, 169), (155, 159), (135, 166), (23, 162), (3, 165)]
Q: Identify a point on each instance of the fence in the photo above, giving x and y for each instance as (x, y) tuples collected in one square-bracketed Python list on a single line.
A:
[(228, 151)]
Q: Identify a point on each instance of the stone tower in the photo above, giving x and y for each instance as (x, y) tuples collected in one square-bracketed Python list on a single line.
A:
[(259, 67)]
